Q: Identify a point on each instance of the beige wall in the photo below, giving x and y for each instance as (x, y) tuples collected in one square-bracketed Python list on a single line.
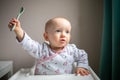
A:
[(85, 16)]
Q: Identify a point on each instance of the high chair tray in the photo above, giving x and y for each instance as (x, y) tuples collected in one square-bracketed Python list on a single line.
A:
[(24, 74)]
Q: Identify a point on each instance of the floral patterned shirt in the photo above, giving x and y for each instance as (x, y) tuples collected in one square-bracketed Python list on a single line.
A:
[(49, 62)]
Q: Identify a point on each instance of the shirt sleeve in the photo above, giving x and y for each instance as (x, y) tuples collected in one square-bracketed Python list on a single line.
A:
[(80, 57), (33, 47)]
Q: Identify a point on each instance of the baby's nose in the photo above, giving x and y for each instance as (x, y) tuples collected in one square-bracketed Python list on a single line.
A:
[(63, 34)]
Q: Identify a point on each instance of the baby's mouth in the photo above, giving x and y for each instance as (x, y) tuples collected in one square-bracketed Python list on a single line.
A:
[(63, 40)]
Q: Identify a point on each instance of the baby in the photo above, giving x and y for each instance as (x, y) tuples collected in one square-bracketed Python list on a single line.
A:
[(55, 55)]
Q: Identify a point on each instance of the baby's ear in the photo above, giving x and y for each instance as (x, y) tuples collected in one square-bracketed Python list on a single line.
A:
[(45, 35)]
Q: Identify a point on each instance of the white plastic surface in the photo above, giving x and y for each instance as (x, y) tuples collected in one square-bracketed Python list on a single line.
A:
[(6, 67), (24, 74)]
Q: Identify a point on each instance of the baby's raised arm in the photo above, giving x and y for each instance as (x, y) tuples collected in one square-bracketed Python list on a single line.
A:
[(18, 29), (33, 47)]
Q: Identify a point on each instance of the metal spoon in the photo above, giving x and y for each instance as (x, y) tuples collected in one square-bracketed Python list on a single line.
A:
[(18, 16)]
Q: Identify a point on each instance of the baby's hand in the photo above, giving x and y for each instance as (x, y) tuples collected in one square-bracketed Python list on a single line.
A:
[(14, 22), (18, 30), (82, 71)]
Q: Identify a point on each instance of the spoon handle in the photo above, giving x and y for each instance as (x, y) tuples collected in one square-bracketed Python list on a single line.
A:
[(18, 16), (14, 25)]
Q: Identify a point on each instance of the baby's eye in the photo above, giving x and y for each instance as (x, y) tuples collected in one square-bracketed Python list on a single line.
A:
[(67, 31), (58, 31)]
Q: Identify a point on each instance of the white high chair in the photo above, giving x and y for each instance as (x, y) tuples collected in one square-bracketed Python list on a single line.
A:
[(28, 74)]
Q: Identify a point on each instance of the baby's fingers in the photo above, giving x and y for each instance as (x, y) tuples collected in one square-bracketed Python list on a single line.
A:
[(12, 22), (83, 73)]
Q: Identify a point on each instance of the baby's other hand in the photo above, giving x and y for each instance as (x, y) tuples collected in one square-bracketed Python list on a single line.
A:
[(82, 71)]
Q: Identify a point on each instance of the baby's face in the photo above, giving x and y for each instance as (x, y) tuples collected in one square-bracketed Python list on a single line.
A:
[(59, 34)]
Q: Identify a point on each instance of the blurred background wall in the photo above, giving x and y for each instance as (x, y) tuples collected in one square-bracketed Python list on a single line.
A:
[(84, 15)]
